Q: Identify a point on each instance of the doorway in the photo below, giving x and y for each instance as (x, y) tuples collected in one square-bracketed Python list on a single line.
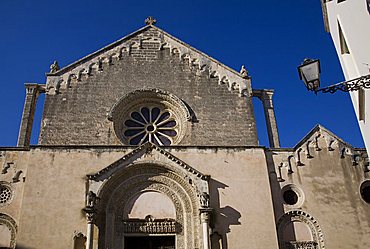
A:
[(150, 242)]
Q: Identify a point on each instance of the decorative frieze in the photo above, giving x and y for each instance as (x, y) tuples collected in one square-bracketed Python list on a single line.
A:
[(164, 226), (155, 39), (301, 245)]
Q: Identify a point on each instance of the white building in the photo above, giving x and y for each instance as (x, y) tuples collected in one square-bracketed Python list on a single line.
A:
[(348, 22)]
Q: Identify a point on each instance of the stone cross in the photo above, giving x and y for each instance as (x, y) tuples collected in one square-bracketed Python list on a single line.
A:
[(150, 20)]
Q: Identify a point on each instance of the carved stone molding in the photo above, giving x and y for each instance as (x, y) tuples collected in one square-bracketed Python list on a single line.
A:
[(164, 226), (11, 225), (300, 216), (139, 177), (94, 63), (165, 160), (186, 216), (300, 245)]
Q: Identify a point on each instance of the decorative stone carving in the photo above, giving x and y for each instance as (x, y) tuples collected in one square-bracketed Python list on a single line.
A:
[(135, 102), (300, 216), (54, 67), (94, 62), (90, 208), (170, 163), (6, 193), (91, 199), (204, 199), (165, 226), (244, 72), (12, 226), (138, 177), (17, 176), (301, 245), (150, 20), (6, 166)]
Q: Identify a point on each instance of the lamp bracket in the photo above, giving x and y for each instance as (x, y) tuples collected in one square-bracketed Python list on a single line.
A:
[(348, 86)]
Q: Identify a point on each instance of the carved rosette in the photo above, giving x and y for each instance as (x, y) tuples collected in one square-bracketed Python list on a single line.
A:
[(150, 115)]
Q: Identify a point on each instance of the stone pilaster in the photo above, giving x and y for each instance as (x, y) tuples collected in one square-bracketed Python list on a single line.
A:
[(266, 97), (32, 92)]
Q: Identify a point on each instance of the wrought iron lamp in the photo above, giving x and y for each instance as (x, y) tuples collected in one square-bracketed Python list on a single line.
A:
[(309, 71)]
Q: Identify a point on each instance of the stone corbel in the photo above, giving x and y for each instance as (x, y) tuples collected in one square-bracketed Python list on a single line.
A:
[(290, 169), (308, 154), (279, 175), (299, 163)]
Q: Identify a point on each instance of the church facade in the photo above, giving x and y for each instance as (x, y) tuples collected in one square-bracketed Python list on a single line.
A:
[(150, 143)]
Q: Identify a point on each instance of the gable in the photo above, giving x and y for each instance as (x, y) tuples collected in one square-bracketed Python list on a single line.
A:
[(151, 155), (146, 38), (80, 96)]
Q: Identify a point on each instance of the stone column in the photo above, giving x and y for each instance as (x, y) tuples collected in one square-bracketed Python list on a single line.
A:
[(90, 230), (32, 92), (90, 212), (204, 218), (266, 97)]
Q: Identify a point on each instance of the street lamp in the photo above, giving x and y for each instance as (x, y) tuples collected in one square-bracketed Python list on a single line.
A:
[(309, 72)]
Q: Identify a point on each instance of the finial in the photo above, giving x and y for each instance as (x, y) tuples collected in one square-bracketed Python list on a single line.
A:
[(244, 72), (54, 67), (150, 21)]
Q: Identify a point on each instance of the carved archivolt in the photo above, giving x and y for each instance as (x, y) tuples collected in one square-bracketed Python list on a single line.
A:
[(300, 216), (11, 225), (96, 62), (138, 178)]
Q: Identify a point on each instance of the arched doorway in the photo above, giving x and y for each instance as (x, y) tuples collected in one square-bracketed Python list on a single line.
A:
[(151, 204)]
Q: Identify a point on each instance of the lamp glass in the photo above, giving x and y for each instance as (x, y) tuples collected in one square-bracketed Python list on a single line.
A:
[(310, 73)]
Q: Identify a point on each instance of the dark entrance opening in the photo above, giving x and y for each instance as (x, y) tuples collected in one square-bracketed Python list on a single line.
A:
[(150, 242)]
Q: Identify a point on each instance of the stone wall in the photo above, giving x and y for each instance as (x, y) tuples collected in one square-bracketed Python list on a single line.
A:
[(55, 189), (326, 174), (78, 113)]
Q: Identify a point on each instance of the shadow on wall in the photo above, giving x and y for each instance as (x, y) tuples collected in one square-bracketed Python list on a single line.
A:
[(223, 217)]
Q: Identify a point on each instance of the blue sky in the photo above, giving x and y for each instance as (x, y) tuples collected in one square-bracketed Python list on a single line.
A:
[(271, 38)]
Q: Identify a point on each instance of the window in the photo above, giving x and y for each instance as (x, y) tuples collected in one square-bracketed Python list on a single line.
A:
[(5, 194), (150, 115), (151, 124), (343, 43), (365, 191), (292, 195)]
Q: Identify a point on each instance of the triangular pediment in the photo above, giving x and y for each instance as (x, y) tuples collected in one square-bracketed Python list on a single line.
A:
[(61, 78), (151, 154)]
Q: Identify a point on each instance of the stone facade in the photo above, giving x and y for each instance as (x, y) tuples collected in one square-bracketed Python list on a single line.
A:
[(149, 143)]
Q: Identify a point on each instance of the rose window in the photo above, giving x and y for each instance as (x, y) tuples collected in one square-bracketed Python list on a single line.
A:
[(151, 124), (5, 194)]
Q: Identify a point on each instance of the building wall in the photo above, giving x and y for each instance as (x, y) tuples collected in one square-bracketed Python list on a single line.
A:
[(84, 105), (354, 18), (50, 213), (328, 182)]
